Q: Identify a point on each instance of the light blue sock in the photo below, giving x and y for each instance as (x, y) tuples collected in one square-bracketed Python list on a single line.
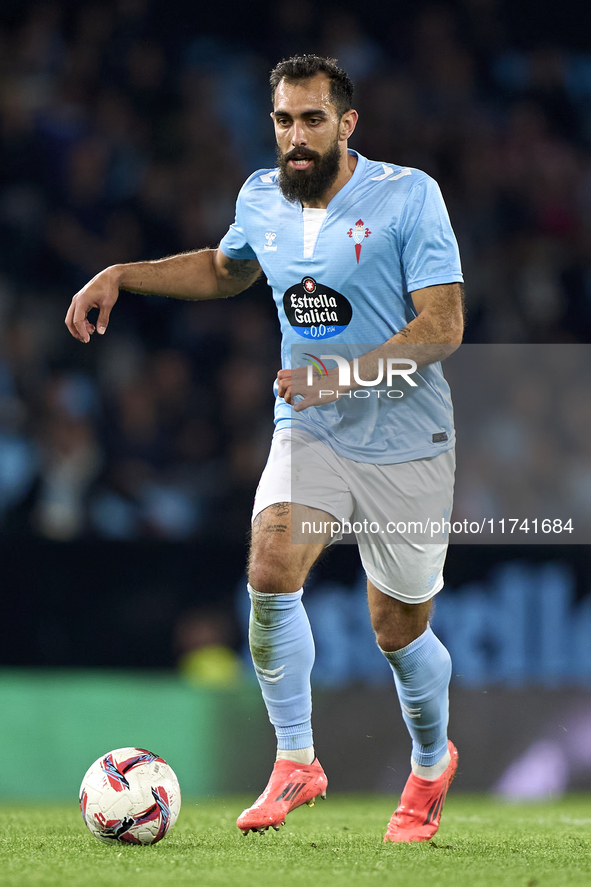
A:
[(422, 672), (282, 650)]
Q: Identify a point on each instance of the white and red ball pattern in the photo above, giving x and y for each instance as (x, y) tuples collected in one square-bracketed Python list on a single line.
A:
[(130, 795)]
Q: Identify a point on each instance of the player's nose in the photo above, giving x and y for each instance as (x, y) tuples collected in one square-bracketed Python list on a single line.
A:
[(298, 135)]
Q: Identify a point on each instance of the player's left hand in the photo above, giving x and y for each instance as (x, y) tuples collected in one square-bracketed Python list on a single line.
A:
[(293, 385)]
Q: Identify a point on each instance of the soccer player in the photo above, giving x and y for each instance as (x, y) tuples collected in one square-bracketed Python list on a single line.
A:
[(355, 251)]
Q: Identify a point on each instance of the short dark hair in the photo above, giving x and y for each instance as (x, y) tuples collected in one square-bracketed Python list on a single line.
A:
[(303, 67)]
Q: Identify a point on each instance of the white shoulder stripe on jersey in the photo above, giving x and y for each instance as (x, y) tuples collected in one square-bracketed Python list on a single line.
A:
[(387, 174)]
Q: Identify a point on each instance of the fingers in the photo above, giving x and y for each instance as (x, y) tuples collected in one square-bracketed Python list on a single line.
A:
[(77, 322), (291, 384), (103, 320), (78, 326), (308, 400), (284, 384), (287, 393), (101, 292)]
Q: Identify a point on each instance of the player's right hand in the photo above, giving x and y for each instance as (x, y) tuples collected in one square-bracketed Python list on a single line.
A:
[(101, 292)]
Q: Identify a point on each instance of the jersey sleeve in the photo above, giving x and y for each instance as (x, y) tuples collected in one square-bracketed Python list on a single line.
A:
[(234, 243), (428, 247)]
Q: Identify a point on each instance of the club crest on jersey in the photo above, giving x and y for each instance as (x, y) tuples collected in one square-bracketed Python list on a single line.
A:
[(270, 237), (358, 233)]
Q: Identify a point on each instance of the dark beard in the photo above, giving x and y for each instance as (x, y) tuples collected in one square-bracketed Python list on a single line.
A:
[(308, 186)]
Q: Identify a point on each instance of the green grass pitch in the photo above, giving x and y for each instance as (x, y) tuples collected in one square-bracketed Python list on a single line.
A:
[(480, 843)]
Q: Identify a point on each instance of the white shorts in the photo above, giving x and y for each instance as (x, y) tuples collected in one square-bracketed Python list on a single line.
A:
[(385, 498)]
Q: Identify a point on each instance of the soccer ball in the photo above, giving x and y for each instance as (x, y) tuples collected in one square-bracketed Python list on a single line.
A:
[(130, 795)]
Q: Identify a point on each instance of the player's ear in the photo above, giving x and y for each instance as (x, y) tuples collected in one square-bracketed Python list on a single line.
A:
[(348, 124)]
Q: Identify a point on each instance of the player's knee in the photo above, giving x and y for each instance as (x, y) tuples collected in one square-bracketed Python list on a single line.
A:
[(395, 629), (271, 575), (390, 641)]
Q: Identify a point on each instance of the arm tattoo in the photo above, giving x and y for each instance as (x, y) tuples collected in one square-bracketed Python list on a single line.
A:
[(243, 269), (403, 332)]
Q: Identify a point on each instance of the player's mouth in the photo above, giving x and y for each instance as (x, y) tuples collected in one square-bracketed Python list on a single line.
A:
[(297, 160), (303, 163)]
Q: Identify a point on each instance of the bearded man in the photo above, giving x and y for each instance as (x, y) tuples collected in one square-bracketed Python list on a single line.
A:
[(355, 251)]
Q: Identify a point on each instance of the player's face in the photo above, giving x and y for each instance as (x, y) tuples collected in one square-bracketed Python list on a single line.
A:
[(310, 150)]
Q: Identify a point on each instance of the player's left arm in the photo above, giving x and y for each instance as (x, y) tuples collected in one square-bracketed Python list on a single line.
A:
[(439, 320), (434, 334)]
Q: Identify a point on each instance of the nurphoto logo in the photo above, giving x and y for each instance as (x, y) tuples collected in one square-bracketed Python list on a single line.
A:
[(397, 367)]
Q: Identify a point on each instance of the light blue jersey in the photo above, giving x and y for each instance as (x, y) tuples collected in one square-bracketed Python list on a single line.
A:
[(342, 278)]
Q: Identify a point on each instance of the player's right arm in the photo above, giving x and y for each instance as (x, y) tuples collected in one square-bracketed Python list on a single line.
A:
[(207, 274)]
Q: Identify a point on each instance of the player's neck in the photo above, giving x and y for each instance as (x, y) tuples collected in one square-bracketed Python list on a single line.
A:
[(348, 164)]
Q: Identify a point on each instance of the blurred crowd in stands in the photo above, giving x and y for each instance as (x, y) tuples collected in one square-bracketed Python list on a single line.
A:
[(126, 133)]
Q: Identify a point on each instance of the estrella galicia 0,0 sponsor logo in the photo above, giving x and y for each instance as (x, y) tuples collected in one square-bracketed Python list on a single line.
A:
[(316, 311)]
